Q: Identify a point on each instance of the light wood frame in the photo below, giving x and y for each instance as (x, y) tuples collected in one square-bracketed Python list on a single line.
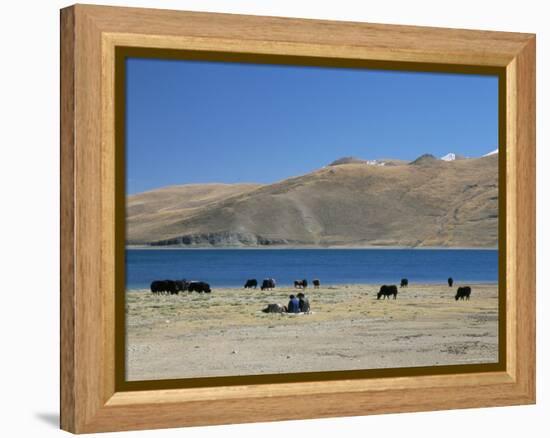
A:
[(89, 37)]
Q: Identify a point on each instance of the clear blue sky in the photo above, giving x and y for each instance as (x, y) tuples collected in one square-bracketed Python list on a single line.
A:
[(196, 122)]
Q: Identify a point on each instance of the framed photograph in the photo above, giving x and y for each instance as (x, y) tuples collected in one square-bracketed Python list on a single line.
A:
[(272, 218)]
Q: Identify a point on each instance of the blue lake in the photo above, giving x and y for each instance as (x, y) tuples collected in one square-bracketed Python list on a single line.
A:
[(232, 267)]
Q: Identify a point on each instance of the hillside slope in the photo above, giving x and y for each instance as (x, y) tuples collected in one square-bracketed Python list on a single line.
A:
[(149, 212), (428, 202)]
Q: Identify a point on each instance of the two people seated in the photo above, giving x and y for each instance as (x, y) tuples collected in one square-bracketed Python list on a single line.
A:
[(298, 304)]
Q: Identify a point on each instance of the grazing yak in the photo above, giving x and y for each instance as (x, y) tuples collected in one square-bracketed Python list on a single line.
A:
[(300, 284), (199, 286), (404, 282), (182, 285), (450, 281), (251, 283), (164, 287), (275, 308), (387, 291), (316, 283), (157, 286), (463, 293), (268, 283)]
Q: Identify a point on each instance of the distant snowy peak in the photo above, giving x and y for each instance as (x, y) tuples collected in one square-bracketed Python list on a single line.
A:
[(491, 153), (449, 157), (375, 163), (355, 160)]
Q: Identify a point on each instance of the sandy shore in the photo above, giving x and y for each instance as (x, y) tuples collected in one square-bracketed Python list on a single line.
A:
[(225, 333)]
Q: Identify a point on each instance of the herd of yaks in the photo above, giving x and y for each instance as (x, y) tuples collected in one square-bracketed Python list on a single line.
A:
[(386, 291), (269, 283), (174, 287)]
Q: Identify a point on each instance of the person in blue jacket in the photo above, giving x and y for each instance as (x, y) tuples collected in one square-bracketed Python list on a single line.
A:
[(293, 304)]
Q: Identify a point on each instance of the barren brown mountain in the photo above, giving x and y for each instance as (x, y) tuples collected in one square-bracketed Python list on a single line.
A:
[(425, 203)]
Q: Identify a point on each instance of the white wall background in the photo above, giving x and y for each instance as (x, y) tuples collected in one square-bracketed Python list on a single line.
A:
[(29, 218)]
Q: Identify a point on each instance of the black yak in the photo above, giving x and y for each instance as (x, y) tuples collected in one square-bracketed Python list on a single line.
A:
[(157, 286), (171, 287), (316, 283), (450, 281), (181, 285), (268, 283), (164, 286), (300, 284), (463, 293), (387, 291), (404, 282), (199, 286), (251, 283)]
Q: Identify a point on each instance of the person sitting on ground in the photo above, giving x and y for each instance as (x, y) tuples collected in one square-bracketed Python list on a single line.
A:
[(303, 303), (293, 304)]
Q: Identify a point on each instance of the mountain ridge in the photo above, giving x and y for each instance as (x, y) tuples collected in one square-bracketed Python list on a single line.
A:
[(426, 203)]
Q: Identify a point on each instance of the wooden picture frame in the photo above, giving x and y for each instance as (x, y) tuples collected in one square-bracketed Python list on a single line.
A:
[(92, 400)]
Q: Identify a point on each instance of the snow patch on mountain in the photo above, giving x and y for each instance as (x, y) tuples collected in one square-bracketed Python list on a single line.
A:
[(449, 157), (375, 163)]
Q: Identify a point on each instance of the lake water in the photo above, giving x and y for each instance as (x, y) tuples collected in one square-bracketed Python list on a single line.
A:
[(232, 267)]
